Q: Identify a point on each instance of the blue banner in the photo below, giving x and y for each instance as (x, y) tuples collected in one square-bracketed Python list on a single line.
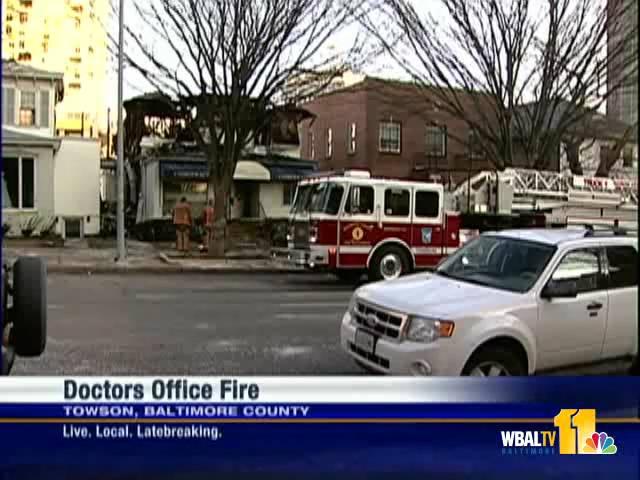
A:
[(558, 427)]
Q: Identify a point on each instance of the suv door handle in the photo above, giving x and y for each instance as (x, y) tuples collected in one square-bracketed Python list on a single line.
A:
[(594, 306)]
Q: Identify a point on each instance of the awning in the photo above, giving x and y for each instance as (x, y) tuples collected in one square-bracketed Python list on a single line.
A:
[(250, 170), (245, 170), (289, 173)]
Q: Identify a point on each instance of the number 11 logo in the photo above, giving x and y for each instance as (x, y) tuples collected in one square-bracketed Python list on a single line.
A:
[(578, 434)]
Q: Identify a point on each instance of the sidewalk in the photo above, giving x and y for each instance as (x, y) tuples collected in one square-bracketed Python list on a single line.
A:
[(145, 258)]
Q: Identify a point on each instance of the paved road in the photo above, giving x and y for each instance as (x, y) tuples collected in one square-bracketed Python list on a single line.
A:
[(190, 324), (197, 325)]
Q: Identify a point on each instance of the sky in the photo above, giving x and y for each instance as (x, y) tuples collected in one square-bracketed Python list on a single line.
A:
[(133, 86), (385, 67)]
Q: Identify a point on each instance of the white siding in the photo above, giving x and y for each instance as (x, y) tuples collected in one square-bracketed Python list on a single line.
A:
[(272, 199), (77, 182)]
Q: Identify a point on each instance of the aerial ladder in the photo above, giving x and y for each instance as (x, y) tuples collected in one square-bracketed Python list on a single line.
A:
[(563, 198)]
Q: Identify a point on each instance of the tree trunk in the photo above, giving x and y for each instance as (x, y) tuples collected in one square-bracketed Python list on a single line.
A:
[(221, 190), (572, 150), (609, 156)]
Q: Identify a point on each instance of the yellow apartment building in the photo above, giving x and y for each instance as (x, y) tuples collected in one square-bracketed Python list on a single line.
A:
[(67, 36)]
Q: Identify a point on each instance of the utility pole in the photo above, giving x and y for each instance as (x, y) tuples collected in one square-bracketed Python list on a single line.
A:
[(122, 254)]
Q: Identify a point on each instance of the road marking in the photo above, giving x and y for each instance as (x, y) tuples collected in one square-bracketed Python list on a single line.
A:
[(291, 351)]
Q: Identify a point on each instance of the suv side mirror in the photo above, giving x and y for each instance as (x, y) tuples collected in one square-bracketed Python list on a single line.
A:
[(564, 289)]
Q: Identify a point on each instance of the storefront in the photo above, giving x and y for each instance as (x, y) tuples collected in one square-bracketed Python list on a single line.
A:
[(261, 188)]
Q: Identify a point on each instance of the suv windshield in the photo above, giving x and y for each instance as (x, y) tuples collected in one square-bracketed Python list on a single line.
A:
[(498, 262), (319, 198)]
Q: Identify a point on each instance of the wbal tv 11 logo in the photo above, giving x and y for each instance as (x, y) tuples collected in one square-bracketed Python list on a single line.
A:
[(576, 434)]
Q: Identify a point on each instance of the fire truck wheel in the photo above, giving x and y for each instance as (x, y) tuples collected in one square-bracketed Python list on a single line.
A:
[(389, 263)]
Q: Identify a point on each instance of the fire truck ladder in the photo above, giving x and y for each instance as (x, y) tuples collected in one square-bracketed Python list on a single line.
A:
[(535, 187)]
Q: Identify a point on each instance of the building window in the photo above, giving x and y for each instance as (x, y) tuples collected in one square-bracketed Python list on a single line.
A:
[(8, 30), (18, 183), (390, 137), (9, 17), (24, 17), (77, 23), (475, 145), (352, 139), (24, 57), (329, 143), (27, 115), (21, 44), (436, 141), (288, 192)]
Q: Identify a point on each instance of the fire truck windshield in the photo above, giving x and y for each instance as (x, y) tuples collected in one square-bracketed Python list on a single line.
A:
[(323, 197)]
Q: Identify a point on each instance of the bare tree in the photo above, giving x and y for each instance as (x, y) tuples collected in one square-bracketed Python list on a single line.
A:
[(520, 73), (224, 61)]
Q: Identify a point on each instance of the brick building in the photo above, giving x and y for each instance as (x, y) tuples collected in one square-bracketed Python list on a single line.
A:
[(392, 129)]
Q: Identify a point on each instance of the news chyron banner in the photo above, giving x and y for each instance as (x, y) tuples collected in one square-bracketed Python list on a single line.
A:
[(320, 427)]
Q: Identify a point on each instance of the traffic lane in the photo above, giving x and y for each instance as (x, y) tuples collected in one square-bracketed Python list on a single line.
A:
[(189, 324)]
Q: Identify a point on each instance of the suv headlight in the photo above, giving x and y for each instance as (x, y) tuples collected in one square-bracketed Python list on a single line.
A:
[(353, 303), (427, 330)]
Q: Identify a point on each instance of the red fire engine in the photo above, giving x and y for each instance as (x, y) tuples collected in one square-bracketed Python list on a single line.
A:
[(350, 223)]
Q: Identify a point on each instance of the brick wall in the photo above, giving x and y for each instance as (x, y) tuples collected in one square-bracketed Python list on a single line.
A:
[(374, 101)]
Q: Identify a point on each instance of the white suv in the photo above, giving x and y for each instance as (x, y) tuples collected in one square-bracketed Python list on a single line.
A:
[(510, 303)]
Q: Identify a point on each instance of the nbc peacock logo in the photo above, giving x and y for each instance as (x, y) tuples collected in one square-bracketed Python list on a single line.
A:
[(600, 444)]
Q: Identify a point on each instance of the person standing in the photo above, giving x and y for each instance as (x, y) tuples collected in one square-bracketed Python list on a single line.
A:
[(208, 215), (182, 220)]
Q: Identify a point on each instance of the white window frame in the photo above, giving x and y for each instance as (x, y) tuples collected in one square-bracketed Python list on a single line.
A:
[(36, 110), (473, 139), (352, 138), (35, 184), (432, 130), (329, 143), (391, 125)]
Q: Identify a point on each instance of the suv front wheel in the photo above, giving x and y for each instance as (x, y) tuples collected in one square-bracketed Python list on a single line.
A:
[(494, 361)]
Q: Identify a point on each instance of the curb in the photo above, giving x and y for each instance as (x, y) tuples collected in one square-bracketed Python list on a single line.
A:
[(108, 270), (170, 266)]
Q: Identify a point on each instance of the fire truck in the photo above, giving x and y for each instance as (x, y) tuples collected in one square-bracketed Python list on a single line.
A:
[(349, 222)]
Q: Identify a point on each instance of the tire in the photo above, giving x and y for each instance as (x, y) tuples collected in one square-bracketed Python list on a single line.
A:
[(29, 312), (348, 276), (384, 254), (498, 356)]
